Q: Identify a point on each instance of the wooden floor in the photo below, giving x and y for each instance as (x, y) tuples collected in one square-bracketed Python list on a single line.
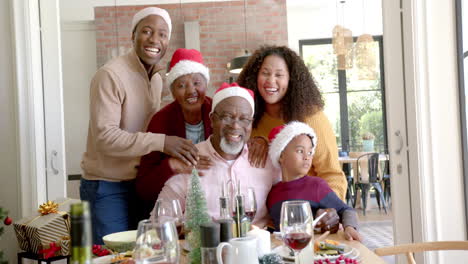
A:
[(377, 227)]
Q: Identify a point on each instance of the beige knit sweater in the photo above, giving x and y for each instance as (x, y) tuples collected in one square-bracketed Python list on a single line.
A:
[(122, 101)]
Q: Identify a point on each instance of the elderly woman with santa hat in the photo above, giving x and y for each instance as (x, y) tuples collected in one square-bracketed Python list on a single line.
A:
[(187, 117)]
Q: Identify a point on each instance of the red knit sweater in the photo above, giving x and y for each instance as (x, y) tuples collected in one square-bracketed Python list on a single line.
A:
[(154, 168)]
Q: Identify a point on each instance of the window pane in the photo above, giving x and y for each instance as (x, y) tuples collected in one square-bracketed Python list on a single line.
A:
[(360, 78), (321, 63), (365, 115)]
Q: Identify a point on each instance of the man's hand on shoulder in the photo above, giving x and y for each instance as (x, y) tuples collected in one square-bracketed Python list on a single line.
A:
[(182, 149), (258, 151)]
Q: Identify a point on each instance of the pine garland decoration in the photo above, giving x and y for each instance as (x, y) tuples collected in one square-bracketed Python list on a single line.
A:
[(271, 258), (3, 215), (196, 214)]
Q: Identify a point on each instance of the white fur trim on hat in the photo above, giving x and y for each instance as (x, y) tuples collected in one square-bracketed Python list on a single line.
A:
[(184, 67), (230, 92), (288, 133), (152, 11)]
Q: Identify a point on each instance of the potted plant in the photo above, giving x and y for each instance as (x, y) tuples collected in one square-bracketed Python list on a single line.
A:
[(368, 142)]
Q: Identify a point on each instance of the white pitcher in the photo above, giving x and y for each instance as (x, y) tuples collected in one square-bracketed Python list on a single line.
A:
[(240, 250)]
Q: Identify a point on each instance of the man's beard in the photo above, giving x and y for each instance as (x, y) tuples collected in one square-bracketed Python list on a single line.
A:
[(231, 148)]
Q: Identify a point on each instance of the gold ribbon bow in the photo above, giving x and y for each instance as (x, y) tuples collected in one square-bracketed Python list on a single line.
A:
[(48, 208)]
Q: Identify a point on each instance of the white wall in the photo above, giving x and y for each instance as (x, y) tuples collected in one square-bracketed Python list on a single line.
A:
[(79, 66), (9, 174)]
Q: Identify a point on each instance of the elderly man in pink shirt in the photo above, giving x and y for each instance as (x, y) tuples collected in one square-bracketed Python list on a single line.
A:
[(231, 119)]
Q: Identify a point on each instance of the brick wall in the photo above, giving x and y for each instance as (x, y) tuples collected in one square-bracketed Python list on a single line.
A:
[(222, 30)]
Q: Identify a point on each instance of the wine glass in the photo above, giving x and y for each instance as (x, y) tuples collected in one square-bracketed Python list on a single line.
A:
[(172, 209), (296, 225), (250, 204), (157, 242)]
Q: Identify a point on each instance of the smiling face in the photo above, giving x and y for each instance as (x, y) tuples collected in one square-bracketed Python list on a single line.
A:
[(189, 91), (232, 124), (150, 39), (296, 158), (273, 79)]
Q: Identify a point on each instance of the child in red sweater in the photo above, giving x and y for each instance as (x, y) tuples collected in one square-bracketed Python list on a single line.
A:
[(292, 147)]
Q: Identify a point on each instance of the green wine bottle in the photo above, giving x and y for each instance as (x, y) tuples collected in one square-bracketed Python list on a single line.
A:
[(241, 220), (81, 239)]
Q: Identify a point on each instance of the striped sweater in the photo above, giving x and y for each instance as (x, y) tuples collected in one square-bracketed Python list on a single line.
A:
[(312, 189)]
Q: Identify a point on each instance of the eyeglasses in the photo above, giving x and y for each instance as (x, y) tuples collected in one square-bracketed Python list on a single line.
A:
[(229, 119)]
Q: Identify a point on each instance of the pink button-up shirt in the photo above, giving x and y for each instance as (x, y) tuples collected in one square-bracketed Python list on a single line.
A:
[(261, 179)]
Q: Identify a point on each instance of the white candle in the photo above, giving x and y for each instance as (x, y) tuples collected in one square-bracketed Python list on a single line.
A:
[(263, 240)]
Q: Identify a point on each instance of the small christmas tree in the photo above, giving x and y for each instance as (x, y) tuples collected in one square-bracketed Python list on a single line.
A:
[(196, 214), (7, 221)]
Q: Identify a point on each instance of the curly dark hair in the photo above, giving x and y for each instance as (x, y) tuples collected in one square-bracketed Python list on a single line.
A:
[(302, 98)]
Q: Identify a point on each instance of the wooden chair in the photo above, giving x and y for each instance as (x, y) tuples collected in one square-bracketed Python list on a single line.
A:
[(409, 249)]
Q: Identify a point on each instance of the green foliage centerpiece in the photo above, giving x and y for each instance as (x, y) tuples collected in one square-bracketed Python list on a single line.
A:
[(196, 213)]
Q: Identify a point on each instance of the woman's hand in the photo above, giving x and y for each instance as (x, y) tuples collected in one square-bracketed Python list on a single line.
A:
[(350, 233), (330, 222), (258, 151), (179, 167), (181, 148)]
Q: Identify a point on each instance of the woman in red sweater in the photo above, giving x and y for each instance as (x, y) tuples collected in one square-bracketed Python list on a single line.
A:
[(186, 117)]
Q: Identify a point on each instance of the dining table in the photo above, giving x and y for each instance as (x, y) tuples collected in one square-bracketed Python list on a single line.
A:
[(366, 256)]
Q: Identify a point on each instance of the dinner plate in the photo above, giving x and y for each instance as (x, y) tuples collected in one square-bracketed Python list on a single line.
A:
[(105, 259), (349, 252)]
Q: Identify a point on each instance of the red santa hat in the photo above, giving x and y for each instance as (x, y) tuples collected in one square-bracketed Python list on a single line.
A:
[(152, 11), (280, 137), (186, 61), (233, 89)]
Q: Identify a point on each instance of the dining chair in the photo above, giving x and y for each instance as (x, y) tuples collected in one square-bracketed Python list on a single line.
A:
[(410, 249), (368, 178), (386, 176)]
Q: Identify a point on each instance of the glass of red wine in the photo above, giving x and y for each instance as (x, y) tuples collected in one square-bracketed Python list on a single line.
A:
[(172, 209), (296, 225), (250, 204), (157, 242)]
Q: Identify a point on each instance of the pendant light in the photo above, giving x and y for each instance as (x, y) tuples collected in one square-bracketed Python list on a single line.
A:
[(342, 40), (365, 51), (236, 64)]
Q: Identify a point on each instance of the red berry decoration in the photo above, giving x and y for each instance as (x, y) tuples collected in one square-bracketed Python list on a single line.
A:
[(8, 221)]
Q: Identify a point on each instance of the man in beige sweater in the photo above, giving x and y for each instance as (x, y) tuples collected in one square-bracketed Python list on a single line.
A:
[(124, 95)]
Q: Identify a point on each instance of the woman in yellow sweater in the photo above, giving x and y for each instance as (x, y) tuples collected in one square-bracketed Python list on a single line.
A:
[(285, 91)]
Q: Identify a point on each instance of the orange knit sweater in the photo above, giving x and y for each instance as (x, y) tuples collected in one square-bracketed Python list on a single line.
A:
[(325, 162)]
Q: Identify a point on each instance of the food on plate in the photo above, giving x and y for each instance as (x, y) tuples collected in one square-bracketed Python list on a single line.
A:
[(328, 247), (122, 258)]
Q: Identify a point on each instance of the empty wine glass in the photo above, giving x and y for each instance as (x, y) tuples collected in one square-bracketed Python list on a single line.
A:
[(157, 242), (172, 209), (296, 225), (250, 204)]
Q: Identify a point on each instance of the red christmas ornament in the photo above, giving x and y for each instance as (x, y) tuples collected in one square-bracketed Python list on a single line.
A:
[(8, 221)]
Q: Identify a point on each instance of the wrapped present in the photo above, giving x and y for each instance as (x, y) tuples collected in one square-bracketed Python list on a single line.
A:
[(48, 231)]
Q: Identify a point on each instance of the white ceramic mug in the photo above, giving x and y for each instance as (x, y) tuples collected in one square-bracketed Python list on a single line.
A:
[(240, 250)]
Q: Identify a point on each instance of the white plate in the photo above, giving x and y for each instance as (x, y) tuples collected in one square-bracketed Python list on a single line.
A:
[(103, 259), (349, 252)]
